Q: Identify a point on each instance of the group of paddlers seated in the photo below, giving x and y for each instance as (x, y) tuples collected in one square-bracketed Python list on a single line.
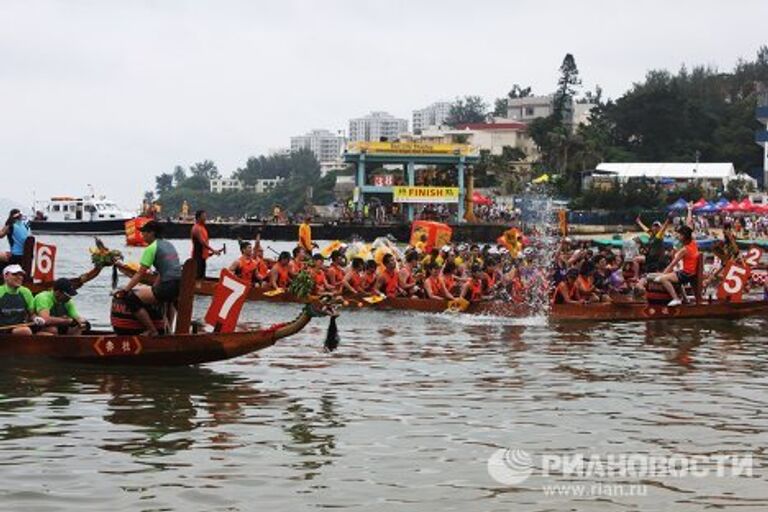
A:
[(50, 312), (448, 273)]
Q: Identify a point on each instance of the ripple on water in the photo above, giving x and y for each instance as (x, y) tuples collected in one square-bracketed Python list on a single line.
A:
[(403, 416)]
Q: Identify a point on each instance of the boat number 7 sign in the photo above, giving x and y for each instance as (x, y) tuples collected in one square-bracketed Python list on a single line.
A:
[(228, 298), (735, 279), (45, 261)]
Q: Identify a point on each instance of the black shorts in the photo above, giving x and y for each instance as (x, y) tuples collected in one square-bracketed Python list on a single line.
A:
[(684, 278), (200, 267), (166, 291)]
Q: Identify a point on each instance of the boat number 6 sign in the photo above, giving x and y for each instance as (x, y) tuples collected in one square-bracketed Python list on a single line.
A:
[(735, 279), (45, 261), (228, 298)]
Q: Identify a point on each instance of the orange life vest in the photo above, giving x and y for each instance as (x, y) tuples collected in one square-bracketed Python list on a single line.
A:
[(391, 283), (320, 282), (283, 275), (200, 242), (691, 258), (246, 268), (433, 285), (475, 290), (355, 280), (450, 281)]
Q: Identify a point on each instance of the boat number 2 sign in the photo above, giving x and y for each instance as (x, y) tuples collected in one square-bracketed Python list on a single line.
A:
[(45, 261), (735, 279), (228, 298)]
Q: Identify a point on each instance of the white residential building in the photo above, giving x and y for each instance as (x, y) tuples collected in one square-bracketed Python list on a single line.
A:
[(533, 107), (229, 185), (375, 126), (266, 184), (326, 145), (431, 116), (492, 137), (226, 185)]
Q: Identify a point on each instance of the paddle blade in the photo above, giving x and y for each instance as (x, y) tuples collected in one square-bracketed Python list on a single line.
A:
[(332, 336)]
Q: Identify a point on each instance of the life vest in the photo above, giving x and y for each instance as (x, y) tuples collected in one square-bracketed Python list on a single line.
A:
[(691, 258), (13, 309), (200, 247), (355, 280), (337, 273), (391, 283), (369, 280), (449, 280), (490, 280), (262, 269), (296, 266), (246, 268), (573, 293), (585, 284), (283, 275), (433, 285), (320, 281), (475, 290)]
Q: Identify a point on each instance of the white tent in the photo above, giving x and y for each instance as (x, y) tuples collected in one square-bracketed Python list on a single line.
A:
[(723, 172)]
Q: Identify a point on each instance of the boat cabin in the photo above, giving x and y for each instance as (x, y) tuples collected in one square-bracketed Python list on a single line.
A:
[(65, 208)]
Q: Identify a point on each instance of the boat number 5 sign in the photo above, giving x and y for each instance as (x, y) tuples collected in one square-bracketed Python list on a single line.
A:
[(45, 261), (228, 298), (735, 279)]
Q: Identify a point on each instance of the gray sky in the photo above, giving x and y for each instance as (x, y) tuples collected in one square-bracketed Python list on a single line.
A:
[(114, 93)]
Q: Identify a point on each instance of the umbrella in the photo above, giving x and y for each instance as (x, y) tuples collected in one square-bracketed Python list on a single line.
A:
[(680, 204), (700, 204), (479, 198)]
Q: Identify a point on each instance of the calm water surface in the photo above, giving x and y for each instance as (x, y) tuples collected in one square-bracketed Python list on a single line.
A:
[(404, 416)]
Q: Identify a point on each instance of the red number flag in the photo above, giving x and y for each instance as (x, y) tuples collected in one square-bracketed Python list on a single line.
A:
[(228, 299), (45, 261), (735, 279)]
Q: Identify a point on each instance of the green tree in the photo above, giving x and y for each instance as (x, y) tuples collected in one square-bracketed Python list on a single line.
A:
[(470, 109), (179, 175), (205, 169), (567, 86), (163, 183)]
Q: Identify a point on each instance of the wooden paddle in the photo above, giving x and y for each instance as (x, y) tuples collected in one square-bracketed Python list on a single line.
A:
[(274, 293), (15, 326)]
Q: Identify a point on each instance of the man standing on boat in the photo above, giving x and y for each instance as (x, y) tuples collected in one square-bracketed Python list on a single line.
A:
[(17, 230), (162, 255), (201, 251)]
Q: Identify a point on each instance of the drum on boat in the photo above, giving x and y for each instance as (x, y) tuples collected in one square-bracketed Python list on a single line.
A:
[(124, 322), (655, 293)]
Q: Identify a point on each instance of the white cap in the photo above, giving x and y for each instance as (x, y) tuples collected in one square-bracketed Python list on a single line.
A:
[(13, 269), (446, 248)]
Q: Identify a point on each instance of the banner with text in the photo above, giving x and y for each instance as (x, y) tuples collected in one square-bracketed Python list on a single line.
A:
[(426, 195)]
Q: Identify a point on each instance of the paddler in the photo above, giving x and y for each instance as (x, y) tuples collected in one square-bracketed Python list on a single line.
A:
[(353, 279), (388, 281), (449, 279), (319, 277), (16, 303), (297, 262), (162, 255), (335, 272), (280, 275), (408, 274), (58, 309), (201, 250), (434, 286), (566, 291), (245, 267), (473, 288), (369, 276), (689, 255), (17, 230)]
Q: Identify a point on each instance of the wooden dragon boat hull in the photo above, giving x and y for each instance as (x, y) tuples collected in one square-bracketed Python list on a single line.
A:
[(137, 350), (641, 311)]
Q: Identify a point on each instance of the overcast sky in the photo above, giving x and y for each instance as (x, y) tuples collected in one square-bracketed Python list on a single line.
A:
[(114, 93)]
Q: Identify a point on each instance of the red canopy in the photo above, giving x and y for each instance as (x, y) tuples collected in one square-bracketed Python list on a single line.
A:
[(700, 203), (479, 198), (733, 206), (746, 205)]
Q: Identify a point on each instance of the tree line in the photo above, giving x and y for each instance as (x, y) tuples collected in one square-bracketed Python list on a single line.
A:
[(301, 185)]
